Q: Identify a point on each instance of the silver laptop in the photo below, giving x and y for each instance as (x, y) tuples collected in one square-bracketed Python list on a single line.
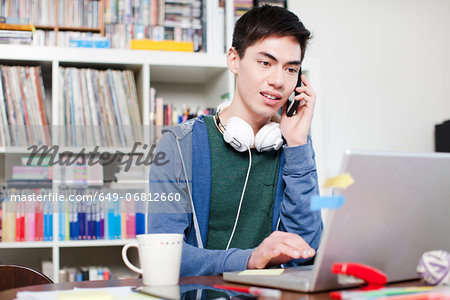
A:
[(397, 209)]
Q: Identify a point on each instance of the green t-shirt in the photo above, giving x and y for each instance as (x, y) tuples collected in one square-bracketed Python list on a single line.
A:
[(228, 171)]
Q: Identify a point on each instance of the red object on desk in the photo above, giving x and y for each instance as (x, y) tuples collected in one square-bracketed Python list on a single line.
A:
[(374, 278)]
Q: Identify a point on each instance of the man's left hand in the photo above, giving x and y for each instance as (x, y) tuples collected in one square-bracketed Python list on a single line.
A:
[(295, 129)]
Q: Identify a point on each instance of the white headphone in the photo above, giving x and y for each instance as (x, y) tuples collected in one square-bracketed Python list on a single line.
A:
[(239, 134)]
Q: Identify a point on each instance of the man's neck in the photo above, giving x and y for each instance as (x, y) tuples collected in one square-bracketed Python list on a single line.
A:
[(240, 111)]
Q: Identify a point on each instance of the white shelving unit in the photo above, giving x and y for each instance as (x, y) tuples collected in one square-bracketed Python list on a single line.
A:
[(201, 77), (194, 79)]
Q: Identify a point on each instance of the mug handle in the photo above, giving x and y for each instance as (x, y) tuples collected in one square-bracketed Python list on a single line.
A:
[(125, 257)]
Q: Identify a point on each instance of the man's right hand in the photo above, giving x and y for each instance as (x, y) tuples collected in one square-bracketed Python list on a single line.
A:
[(279, 248)]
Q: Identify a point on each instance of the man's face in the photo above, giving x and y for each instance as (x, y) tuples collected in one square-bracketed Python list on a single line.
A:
[(267, 75)]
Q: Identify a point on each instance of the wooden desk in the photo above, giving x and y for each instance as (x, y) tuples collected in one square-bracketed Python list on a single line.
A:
[(206, 280)]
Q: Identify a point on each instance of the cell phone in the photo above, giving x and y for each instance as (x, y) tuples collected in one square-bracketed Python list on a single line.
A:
[(292, 105), (178, 292)]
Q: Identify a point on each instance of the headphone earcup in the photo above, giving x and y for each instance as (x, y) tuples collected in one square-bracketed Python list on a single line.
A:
[(269, 138), (239, 134)]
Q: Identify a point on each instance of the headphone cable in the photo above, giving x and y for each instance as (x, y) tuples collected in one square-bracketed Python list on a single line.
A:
[(242, 197)]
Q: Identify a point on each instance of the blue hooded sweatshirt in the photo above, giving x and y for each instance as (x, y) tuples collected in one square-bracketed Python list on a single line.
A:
[(185, 181)]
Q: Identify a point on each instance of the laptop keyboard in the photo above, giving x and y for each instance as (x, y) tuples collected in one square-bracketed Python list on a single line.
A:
[(302, 273)]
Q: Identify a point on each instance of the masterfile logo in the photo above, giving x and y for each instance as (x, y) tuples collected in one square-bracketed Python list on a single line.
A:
[(53, 156)]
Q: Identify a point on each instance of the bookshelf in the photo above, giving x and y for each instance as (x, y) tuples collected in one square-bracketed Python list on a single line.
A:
[(52, 17), (182, 78), (200, 77)]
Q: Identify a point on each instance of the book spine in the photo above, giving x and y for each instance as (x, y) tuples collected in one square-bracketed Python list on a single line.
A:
[(67, 220), (81, 222), (140, 223), (97, 222), (46, 222), (88, 222), (72, 220), (109, 226), (62, 221), (18, 107), (87, 111), (99, 105), (11, 216), (117, 112), (123, 225), (117, 222), (39, 222), (29, 222), (102, 221), (20, 222), (3, 114), (2, 218), (124, 112), (9, 105)]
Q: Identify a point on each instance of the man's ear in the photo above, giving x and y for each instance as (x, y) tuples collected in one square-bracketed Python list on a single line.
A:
[(233, 60)]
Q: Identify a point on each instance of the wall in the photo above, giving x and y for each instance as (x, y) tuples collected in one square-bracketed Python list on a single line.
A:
[(384, 73)]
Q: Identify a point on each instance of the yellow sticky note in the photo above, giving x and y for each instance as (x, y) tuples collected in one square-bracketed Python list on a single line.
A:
[(91, 295), (262, 272), (342, 181)]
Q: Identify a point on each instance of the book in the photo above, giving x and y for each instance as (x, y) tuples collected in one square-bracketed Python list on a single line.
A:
[(2, 219), (32, 173), (28, 183), (100, 107), (281, 3), (5, 139), (23, 106), (17, 20), (14, 27), (162, 45), (89, 43)]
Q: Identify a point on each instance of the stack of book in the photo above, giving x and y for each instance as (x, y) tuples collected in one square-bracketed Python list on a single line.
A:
[(166, 114), (83, 40), (78, 13), (2, 190), (72, 15), (42, 38), (33, 172), (99, 108), (82, 214), (84, 273), (27, 220), (156, 20), (88, 214), (76, 171), (281, 3), (216, 24), (241, 7), (23, 107), (38, 12), (15, 34)]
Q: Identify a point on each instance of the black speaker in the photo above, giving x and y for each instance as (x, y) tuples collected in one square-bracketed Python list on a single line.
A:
[(442, 137)]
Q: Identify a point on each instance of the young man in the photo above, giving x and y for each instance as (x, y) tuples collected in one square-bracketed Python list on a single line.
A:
[(235, 216)]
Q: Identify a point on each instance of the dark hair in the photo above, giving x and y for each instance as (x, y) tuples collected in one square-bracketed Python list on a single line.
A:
[(265, 21)]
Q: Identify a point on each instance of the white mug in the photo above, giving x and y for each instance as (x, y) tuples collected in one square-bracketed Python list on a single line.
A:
[(159, 257)]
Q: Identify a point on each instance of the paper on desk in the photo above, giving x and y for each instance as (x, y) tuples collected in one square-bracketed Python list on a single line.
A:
[(342, 181), (93, 294), (262, 272), (108, 293)]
